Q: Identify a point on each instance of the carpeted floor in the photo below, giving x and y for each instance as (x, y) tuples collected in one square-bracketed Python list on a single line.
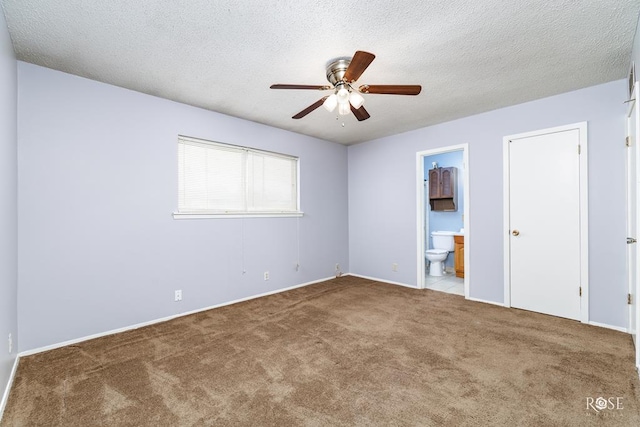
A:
[(346, 352)]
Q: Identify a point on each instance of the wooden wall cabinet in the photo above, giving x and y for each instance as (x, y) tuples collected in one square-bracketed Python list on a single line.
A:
[(458, 255), (442, 189)]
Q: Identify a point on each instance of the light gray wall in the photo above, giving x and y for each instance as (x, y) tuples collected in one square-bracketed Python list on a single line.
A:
[(635, 52), (8, 201), (98, 247), (382, 194)]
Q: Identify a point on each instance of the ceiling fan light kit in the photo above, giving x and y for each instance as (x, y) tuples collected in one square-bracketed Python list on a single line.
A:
[(356, 99), (331, 102), (343, 109), (342, 97), (341, 74)]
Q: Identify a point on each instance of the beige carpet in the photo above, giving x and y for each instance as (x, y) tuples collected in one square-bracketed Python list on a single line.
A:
[(346, 352)]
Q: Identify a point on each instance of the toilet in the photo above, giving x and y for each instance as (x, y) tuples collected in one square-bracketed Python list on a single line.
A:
[(442, 245)]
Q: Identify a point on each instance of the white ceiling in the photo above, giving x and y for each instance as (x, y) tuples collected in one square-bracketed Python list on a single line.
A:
[(222, 55)]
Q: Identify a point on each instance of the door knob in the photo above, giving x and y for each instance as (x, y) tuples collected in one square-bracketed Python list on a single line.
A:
[(515, 232), (630, 240)]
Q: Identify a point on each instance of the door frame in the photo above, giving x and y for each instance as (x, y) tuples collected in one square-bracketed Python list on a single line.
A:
[(584, 212), (421, 205), (633, 114)]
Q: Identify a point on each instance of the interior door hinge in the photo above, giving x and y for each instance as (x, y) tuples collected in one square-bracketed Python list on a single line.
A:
[(629, 299), (578, 148), (627, 141), (580, 290)]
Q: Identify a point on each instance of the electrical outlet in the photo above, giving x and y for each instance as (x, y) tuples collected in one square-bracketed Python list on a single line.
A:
[(394, 266), (10, 343), (178, 295), (337, 267), (266, 275)]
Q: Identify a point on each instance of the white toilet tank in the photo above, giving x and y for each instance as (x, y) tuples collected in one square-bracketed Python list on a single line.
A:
[(443, 240)]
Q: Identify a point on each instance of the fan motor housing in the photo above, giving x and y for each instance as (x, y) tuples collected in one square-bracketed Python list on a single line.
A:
[(336, 70)]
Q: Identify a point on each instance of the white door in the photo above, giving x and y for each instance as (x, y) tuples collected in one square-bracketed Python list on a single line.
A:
[(544, 230), (632, 221)]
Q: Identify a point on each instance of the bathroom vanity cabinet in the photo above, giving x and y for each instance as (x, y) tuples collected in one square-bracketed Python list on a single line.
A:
[(458, 255), (442, 189)]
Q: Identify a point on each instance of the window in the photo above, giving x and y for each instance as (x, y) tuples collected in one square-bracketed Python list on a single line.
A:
[(224, 180)]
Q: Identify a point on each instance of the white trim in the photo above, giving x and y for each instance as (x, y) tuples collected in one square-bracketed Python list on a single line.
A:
[(633, 286), (506, 218), (467, 209), (193, 215), (420, 211), (604, 325), (381, 280), (600, 325), (629, 164), (584, 211), (163, 319), (7, 390), (420, 231), (486, 301), (584, 222)]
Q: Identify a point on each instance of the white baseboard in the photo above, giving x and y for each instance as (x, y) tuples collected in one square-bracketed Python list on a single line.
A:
[(486, 301), (163, 319), (604, 325), (499, 304), (5, 395), (601, 325), (381, 280)]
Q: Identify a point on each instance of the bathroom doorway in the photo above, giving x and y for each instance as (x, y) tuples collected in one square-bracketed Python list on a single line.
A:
[(443, 211)]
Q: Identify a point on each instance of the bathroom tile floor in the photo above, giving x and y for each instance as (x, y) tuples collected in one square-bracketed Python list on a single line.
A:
[(448, 283)]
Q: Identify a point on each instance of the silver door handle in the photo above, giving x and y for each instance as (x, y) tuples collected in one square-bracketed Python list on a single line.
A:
[(631, 240)]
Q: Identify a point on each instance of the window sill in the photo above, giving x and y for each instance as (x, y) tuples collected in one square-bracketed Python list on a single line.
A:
[(194, 215)]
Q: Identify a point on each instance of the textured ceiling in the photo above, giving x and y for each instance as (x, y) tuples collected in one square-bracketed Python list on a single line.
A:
[(469, 56)]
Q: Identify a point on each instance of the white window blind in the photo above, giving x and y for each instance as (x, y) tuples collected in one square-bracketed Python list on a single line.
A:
[(218, 178)]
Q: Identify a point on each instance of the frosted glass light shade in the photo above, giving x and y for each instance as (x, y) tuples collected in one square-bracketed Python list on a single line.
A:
[(356, 100), (330, 103), (344, 109), (343, 96)]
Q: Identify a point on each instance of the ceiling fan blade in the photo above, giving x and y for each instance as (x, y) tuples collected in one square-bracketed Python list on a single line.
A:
[(309, 109), (391, 89), (313, 87), (359, 63), (360, 113)]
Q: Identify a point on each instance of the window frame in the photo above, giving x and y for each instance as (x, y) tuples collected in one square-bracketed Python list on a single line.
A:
[(206, 214)]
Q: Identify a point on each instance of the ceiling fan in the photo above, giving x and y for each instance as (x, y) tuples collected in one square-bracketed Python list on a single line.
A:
[(342, 74)]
